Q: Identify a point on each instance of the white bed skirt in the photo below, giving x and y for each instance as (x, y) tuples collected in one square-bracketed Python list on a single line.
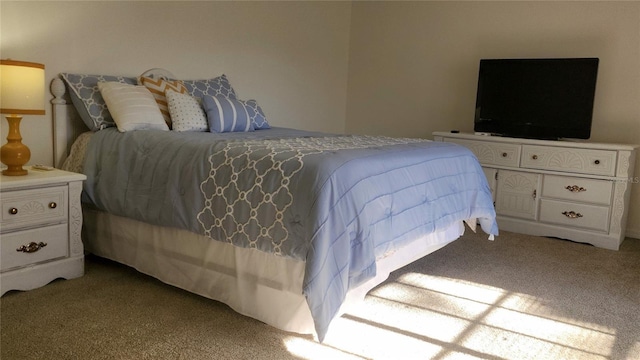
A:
[(253, 283)]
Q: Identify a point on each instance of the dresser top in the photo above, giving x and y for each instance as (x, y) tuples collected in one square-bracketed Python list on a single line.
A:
[(584, 144), (37, 178)]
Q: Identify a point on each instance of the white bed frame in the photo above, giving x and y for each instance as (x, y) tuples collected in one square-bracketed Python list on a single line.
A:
[(262, 286)]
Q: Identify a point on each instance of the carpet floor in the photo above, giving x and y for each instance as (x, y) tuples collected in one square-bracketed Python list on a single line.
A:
[(518, 297)]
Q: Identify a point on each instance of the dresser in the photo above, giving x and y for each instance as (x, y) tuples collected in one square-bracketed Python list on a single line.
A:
[(40, 229), (575, 190)]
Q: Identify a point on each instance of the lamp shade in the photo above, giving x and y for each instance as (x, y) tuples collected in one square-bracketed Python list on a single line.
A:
[(21, 87)]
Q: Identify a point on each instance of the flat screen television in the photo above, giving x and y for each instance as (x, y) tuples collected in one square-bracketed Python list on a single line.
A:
[(536, 98)]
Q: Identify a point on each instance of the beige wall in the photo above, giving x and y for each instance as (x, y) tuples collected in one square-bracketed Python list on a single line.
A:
[(290, 56), (413, 65)]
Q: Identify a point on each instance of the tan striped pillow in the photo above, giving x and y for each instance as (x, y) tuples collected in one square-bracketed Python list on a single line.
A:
[(158, 87)]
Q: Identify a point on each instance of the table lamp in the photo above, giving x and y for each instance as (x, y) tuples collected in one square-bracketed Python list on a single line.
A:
[(21, 93)]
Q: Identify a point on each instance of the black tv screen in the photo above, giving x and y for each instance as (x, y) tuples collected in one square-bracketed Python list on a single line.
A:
[(536, 98)]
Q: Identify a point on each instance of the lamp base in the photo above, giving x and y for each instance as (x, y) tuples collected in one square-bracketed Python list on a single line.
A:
[(19, 171), (14, 153)]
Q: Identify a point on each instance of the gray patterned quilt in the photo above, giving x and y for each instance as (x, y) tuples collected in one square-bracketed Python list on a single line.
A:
[(334, 201)]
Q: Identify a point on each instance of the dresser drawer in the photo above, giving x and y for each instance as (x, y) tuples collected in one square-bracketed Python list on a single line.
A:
[(577, 189), (24, 208), (54, 236), (585, 216), (492, 153), (583, 161)]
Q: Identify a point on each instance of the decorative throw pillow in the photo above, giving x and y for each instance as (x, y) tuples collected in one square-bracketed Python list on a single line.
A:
[(227, 115), (186, 112), (132, 107), (87, 98), (211, 87), (256, 115), (158, 87)]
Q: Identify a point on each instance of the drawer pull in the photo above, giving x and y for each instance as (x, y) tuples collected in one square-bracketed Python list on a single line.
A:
[(572, 214), (52, 205), (13, 211), (535, 157), (575, 188), (31, 247), (597, 162), (504, 154)]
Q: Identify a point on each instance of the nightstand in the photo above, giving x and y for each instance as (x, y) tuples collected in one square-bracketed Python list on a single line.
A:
[(40, 229)]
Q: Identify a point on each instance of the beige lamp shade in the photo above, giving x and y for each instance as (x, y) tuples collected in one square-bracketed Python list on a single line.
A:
[(21, 87), (21, 93)]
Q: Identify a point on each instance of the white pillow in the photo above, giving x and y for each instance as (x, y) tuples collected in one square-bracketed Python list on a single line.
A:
[(186, 112), (132, 107)]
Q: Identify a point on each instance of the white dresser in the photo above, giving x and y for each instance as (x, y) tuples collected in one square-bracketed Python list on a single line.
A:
[(571, 190), (40, 229)]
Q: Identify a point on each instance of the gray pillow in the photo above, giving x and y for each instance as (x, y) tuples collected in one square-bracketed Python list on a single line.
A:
[(210, 87), (87, 99)]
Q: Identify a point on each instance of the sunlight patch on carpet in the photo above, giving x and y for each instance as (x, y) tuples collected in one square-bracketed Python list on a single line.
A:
[(443, 318)]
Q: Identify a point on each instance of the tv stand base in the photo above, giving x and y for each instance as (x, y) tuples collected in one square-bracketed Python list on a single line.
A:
[(577, 191)]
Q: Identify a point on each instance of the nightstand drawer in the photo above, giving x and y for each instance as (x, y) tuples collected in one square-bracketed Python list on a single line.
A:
[(577, 189), (25, 208), (55, 238), (577, 215)]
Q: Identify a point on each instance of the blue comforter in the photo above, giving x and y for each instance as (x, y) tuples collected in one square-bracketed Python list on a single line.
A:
[(334, 201)]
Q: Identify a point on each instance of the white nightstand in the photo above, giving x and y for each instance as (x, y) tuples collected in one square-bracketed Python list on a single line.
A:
[(40, 229)]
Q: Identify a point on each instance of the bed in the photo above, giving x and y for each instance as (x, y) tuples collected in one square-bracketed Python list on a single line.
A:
[(286, 226)]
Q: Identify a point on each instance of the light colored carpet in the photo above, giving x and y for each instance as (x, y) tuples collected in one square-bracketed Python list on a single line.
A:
[(518, 297)]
